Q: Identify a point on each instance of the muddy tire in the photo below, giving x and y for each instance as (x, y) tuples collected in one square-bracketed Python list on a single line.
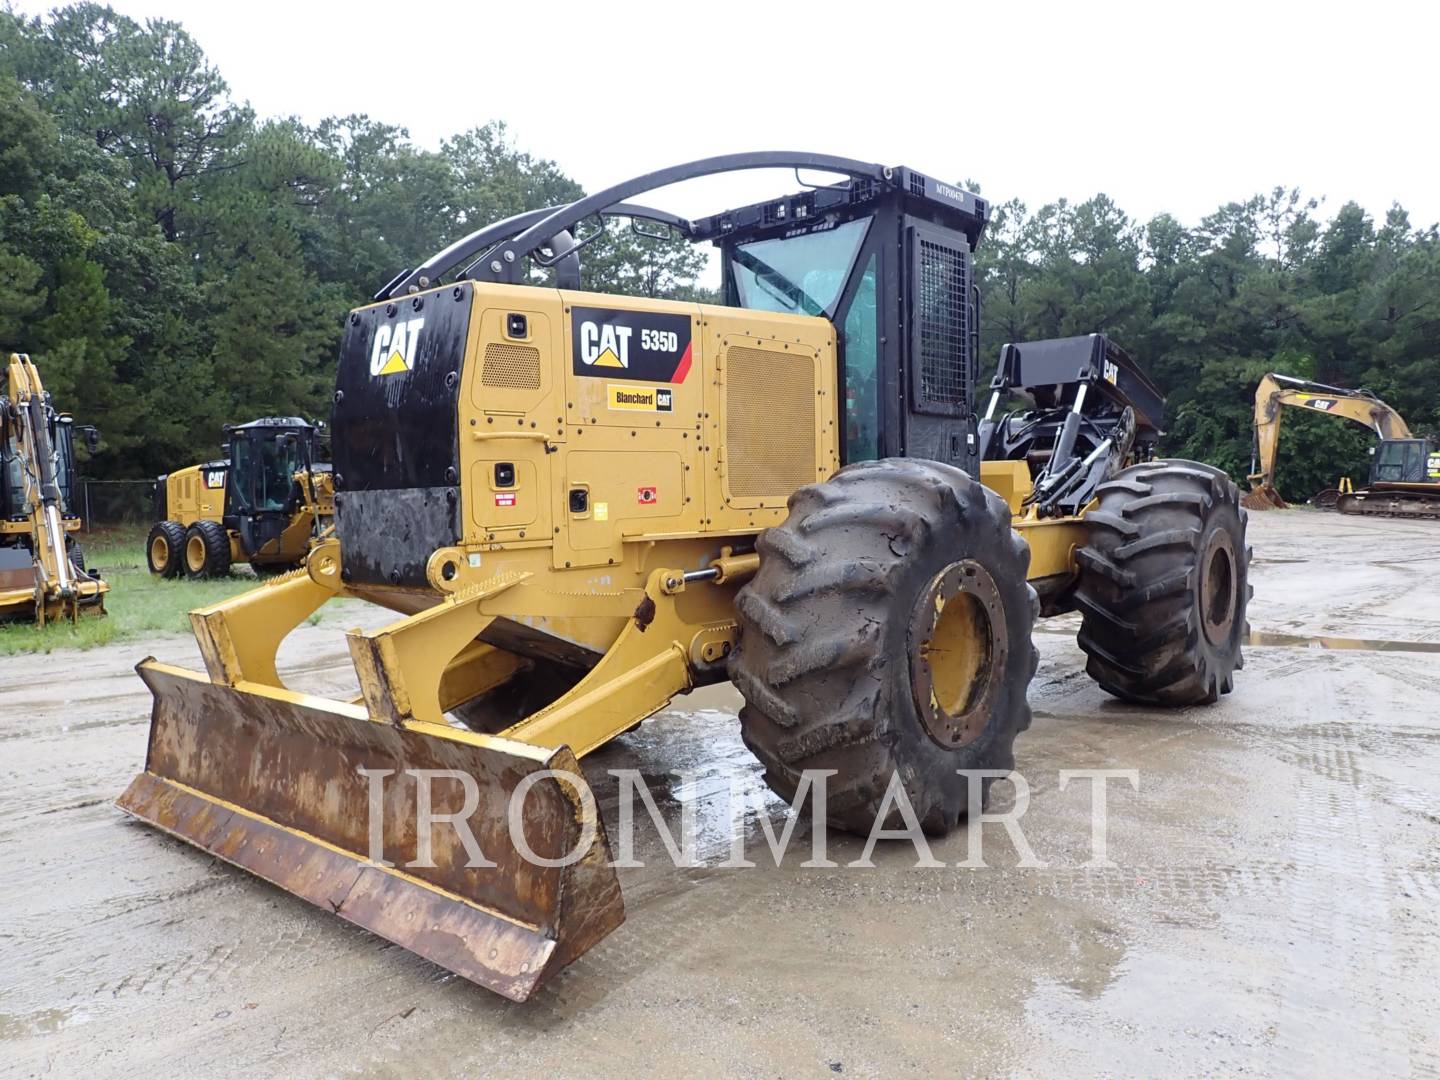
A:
[(887, 632), (165, 549), (207, 550), (1164, 584)]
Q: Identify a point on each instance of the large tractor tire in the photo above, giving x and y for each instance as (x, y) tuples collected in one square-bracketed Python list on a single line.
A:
[(887, 632), (165, 549), (1164, 584), (207, 550)]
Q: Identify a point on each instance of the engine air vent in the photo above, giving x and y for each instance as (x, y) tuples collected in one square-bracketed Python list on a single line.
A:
[(513, 367), (770, 422)]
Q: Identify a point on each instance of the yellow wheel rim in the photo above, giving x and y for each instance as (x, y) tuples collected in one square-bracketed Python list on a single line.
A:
[(959, 647), (956, 651), (159, 553), (195, 553)]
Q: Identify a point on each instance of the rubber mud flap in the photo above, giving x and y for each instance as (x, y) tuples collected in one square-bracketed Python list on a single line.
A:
[(270, 781)]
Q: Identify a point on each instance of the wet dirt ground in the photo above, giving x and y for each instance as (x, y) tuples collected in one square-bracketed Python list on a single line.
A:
[(1273, 910)]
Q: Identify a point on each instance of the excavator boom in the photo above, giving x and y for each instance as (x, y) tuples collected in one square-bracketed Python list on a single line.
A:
[(1275, 393), (40, 570)]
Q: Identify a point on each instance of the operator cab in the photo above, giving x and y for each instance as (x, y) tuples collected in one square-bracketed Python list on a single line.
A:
[(13, 505), (869, 257), (1405, 461), (262, 493)]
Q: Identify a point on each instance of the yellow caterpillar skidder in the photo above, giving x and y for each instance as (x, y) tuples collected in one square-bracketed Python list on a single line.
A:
[(581, 505), (42, 569), (265, 503)]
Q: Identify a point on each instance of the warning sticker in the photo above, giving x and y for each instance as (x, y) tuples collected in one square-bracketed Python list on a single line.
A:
[(646, 495), (602, 511), (504, 498), (641, 398)]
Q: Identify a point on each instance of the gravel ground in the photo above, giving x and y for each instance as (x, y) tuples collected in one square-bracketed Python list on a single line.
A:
[(1273, 907)]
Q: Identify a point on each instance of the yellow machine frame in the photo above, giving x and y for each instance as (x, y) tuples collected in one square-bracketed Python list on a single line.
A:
[(639, 586)]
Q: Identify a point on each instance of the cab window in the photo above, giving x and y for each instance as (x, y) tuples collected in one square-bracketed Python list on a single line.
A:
[(801, 275), (861, 345)]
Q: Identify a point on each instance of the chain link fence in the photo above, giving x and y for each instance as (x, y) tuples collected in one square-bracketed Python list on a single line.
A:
[(107, 503)]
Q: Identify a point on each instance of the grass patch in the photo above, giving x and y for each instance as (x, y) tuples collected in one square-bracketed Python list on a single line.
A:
[(138, 604)]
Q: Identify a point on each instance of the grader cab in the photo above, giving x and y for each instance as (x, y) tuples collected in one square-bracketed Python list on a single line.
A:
[(266, 503), (581, 505)]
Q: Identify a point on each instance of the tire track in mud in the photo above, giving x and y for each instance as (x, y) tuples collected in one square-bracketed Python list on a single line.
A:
[(1349, 960), (1340, 749), (203, 963), (1357, 933), (1341, 952), (116, 922)]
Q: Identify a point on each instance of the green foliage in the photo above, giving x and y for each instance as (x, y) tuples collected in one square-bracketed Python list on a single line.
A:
[(174, 263), (643, 263), (1258, 286)]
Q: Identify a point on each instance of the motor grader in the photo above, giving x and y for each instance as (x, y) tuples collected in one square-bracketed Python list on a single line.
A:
[(581, 505), (42, 569), (266, 503)]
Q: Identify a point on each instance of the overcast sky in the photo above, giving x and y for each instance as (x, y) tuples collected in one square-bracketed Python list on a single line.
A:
[(1162, 105)]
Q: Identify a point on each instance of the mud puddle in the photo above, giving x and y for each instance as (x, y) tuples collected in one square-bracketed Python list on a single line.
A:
[(1276, 639), (1271, 638)]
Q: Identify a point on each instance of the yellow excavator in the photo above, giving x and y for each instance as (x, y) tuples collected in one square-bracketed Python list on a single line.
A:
[(579, 505), (42, 569), (1404, 471)]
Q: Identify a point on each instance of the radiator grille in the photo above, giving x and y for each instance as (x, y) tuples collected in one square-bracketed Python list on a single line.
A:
[(941, 310), (769, 422), (514, 367)]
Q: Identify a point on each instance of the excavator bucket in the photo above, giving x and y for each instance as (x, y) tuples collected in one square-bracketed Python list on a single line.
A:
[(1263, 497), (504, 877)]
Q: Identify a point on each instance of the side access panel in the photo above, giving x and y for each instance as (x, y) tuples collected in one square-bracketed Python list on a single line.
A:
[(634, 372), (196, 494), (513, 423), (773, 423)]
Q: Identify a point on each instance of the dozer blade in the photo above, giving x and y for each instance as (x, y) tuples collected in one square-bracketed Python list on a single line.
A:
[(270, 780)]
